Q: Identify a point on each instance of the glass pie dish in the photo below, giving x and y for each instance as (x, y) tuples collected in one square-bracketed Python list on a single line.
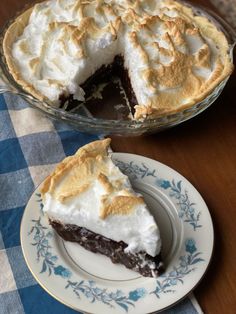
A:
[(109, 117)]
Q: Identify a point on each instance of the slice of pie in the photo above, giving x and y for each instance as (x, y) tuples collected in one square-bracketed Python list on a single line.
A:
[(169, 56), (88, 200)]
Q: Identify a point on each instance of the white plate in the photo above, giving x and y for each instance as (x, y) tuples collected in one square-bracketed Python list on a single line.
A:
[(91, 283)]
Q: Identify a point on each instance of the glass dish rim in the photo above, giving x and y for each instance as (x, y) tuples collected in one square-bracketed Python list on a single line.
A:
[(10, 85)]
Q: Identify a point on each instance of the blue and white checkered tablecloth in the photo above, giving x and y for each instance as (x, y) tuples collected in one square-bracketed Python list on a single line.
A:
[(30, 146)]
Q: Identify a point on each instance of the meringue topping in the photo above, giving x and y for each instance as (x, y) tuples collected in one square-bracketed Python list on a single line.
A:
[(174, 57), (88, 190)]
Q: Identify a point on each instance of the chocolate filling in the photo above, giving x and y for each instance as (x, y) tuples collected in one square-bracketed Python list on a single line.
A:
[(141, 262), (105, 108)]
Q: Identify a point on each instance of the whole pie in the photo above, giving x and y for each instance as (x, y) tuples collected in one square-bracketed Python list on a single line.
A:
[(172, 57), (88, 200)]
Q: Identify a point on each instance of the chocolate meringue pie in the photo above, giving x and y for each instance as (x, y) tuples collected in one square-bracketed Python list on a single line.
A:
[(88, 200), (174, 58)]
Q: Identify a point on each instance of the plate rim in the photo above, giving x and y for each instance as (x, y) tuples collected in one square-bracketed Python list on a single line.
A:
[(208, 262)]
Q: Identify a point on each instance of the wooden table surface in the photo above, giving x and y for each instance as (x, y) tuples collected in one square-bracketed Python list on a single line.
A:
[(204, 151)]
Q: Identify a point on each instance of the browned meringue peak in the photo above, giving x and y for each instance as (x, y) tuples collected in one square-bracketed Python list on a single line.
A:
[(175, 73), (78, 34), (75, 174), (119, 205), (174, 58), (83, 164)]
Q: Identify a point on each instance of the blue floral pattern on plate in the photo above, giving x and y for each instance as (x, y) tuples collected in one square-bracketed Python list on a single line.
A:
[(93, 293), (186, 209), (175, 276), (41, 237), (134, 171)]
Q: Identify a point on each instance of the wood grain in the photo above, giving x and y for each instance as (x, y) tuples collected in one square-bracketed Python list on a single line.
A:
[(204, 151)]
